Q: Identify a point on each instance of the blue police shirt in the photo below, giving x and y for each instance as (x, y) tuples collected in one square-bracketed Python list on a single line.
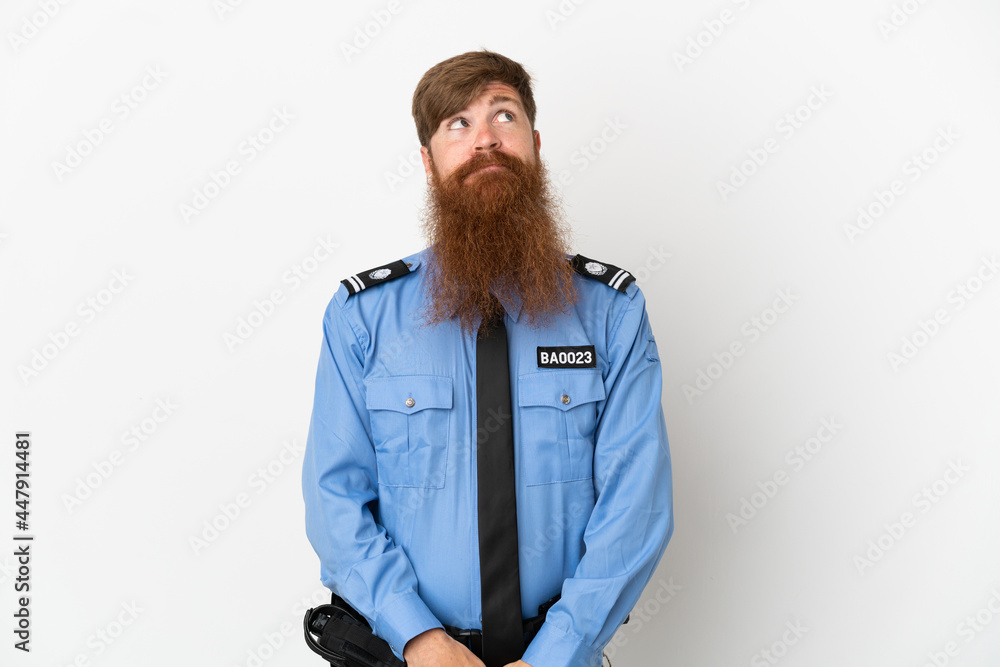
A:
[(389, 477)]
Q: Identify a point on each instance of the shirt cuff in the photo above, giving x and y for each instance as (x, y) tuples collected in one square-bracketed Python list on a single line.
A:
[(553, 647), (403, 619)]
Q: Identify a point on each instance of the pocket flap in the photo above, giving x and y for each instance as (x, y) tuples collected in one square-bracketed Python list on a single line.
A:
[(409, 393), (560, 389)]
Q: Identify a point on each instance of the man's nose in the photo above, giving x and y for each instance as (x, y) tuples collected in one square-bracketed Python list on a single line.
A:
[(487, 139)]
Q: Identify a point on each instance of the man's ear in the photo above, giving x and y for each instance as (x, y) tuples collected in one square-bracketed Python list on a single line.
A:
[(538, 141), (425, 156)]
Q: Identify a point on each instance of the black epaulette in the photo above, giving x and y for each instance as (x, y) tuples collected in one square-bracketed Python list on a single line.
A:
[(376, 276), (610, 275)]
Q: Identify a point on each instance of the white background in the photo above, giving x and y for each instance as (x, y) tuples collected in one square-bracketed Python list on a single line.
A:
[(337, 171)]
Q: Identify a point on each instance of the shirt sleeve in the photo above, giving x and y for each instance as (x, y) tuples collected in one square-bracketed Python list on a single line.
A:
[(359, 560), (632, 520)]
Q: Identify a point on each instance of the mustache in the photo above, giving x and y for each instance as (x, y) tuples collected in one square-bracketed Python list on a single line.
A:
[(487, 159)]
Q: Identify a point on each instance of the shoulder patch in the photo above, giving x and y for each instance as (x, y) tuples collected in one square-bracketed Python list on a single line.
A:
[(609, 274), (378, 275)]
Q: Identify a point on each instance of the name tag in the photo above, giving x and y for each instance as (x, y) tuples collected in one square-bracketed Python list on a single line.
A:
[(569, 356)]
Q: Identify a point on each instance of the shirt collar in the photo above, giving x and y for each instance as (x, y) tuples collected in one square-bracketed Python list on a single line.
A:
[(512, 305)]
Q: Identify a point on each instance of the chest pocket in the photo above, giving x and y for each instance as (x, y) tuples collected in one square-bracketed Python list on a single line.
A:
[(410, 420), (558, 411)]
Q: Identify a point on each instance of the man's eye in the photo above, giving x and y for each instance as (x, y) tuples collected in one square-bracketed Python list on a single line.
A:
[(505, 117), (456, 124)]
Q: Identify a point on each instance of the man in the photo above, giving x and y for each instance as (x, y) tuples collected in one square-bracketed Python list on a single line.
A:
[(407, 485)]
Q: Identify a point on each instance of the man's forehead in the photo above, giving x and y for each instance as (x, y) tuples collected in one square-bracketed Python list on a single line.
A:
[(497, 91)]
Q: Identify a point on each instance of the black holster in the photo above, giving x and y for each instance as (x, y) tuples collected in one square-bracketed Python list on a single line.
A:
[(344, 638)]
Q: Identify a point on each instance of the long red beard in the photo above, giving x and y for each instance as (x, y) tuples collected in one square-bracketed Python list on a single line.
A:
[(499, 233)]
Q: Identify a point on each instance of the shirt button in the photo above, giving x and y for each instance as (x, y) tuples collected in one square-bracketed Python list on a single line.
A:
[(565, 399), (410, 402)]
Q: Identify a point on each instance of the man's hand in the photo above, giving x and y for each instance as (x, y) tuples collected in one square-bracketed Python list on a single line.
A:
[(436, 648), (519, 663)]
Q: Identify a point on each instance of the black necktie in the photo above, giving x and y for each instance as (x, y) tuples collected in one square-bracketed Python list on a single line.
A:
[(503, 638)]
